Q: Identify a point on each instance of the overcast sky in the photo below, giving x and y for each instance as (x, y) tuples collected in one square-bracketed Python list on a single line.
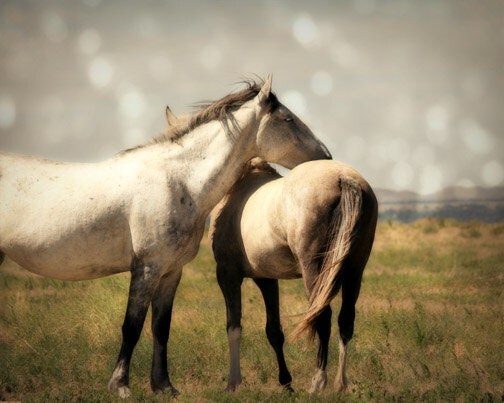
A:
[(409, 92)]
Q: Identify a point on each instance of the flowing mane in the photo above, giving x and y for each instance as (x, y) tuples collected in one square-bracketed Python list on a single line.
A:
[(216, 110), (211, 110)]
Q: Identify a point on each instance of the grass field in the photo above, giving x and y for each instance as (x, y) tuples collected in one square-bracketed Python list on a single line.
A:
[(429, 326)]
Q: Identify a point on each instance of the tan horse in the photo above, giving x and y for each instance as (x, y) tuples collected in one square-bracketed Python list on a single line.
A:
[(143, 210), (318, 222)]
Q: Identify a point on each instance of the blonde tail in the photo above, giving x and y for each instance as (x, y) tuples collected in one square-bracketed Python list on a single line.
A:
[(328, 281)]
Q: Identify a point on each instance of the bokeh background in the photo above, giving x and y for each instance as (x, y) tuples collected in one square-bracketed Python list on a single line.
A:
[(409, 92)]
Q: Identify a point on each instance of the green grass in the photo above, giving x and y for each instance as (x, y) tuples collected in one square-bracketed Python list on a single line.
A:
[(429, 326)]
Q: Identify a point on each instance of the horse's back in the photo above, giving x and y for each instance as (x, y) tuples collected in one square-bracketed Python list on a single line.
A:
[(321, 179), (327, 175), (39, 190)]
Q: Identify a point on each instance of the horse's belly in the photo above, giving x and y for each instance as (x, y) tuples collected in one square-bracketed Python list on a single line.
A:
[(72, 271), (82, 268), (278, 263)]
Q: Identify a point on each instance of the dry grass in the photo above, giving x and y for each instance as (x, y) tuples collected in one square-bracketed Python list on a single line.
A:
[(430, 326)]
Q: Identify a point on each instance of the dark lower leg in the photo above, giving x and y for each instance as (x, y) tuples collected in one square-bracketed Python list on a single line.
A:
[(346, 329), (230, 285), (131, 330), (349, 293), (141, 289), (346, 319), (162, 304), (323, 330), (269, 291)]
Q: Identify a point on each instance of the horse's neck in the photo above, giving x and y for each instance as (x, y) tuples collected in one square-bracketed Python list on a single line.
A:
[(216, 159)]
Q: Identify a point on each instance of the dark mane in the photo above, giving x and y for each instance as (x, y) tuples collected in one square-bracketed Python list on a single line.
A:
[(216, 110)]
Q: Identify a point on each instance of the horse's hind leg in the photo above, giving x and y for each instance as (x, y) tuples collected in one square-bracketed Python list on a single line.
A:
[(269, 290), (350, 292), (144, 280), (323, 330), (230, 284), (2, 256), (162, 303)]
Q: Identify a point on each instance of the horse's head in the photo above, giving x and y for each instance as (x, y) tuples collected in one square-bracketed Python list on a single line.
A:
[(282, 137), (278, 136)]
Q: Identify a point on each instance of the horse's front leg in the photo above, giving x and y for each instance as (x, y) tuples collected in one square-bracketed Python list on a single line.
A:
[(230, 282), (144, 280), (162, 304), (274, 333)]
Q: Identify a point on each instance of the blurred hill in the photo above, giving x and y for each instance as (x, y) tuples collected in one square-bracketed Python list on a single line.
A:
[(456, 202)]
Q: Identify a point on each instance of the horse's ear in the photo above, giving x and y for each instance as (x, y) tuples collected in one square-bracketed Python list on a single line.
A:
[(265, 91), (171, 119)]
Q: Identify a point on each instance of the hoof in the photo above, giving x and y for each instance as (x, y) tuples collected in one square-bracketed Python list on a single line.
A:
[(340, 387), (319, 381), (174, 392), (340, 384), (232, 386), (166, 389), (122, 391), (288, 388), (118, 382)]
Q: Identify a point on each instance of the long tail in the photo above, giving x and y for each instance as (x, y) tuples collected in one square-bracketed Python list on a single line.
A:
[(340, 239)]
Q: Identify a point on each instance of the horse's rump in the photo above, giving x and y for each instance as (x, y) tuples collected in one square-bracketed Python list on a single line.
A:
[(340, 238)]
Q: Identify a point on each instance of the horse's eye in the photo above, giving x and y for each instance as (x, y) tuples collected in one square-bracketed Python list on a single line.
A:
[(288, 119)]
